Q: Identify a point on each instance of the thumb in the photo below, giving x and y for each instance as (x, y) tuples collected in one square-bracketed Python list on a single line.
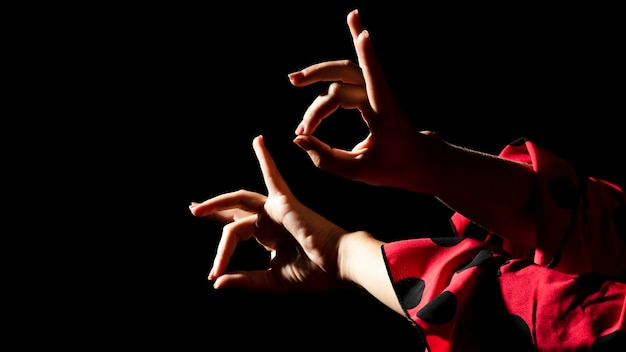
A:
[(272, 177), (316, 149), (324, 157), (257, 280)]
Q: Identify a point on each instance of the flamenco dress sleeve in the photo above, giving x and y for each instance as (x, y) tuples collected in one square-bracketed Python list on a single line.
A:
[(483, 293)]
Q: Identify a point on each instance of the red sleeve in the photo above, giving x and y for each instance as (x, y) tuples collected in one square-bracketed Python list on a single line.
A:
[(483, 292), (581, 221), (466, 295)]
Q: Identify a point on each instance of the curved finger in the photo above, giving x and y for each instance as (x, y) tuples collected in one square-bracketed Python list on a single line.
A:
[(228, 215), (257, 280), (232, 234), (338, 161), (267, 281), (344, 71), (347, 96), (378, 90), (242, 199)]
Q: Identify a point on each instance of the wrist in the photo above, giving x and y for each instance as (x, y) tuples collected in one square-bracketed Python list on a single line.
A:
[(356, 251), (431, 158)]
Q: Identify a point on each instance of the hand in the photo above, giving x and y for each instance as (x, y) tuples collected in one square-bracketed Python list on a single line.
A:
[(302, 243), (393, 152)]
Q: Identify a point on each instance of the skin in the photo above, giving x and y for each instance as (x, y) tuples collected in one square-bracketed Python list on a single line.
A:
[(310, 253), (395, 154)]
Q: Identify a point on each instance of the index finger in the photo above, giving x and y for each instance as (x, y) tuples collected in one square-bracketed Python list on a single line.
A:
[(220, 206), (272, 177), (344, 71)]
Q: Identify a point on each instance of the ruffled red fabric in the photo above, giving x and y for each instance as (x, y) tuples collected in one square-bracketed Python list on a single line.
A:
[(483, 292)]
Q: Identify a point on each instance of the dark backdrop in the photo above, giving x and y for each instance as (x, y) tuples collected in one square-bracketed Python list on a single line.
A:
[(174, 95)]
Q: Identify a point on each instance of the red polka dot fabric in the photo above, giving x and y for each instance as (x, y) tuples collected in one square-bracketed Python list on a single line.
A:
[(481, 291)]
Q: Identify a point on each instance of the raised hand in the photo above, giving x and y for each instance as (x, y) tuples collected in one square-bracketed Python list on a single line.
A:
[(393, 151), (302, 243)]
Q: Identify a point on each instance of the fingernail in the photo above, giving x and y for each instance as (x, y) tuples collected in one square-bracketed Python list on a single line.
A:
[(300, 129), (295, 75), (302, 143)]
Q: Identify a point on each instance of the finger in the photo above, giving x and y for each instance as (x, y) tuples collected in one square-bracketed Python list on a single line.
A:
[(376, 84), (228, 215), (258, 280), (266, 281), (354, 24), (344, 71), (347, 96), (273, 179), (232, 234), (338, 161), (242, 199)]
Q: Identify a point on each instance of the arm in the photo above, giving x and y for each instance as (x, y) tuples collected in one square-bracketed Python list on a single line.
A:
[(395, 154), (308, 252), (361, 261), (491, 191)]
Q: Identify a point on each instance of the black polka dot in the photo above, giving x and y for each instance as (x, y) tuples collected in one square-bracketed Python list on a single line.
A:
[(592, 281), (563, 192), (440, 310), (522, 329), (480, 258), (472, 230), (615, 341), (446, 241), (518, 142), (619, 221), (410, 291)]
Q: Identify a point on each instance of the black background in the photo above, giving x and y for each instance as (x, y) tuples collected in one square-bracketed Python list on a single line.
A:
[(166, 99)]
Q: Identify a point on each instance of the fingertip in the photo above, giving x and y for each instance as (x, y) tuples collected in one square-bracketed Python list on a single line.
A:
[(299, 129), (257, 141), (303, 143), (354, 12), (221, 282), (295, 77), (364, 43), (309, 147), (364, 35), (217, 283), (193, 208), (354, 23)]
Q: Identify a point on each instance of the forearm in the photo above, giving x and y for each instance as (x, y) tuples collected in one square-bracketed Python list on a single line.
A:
[(361, 261), (494, 192)]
